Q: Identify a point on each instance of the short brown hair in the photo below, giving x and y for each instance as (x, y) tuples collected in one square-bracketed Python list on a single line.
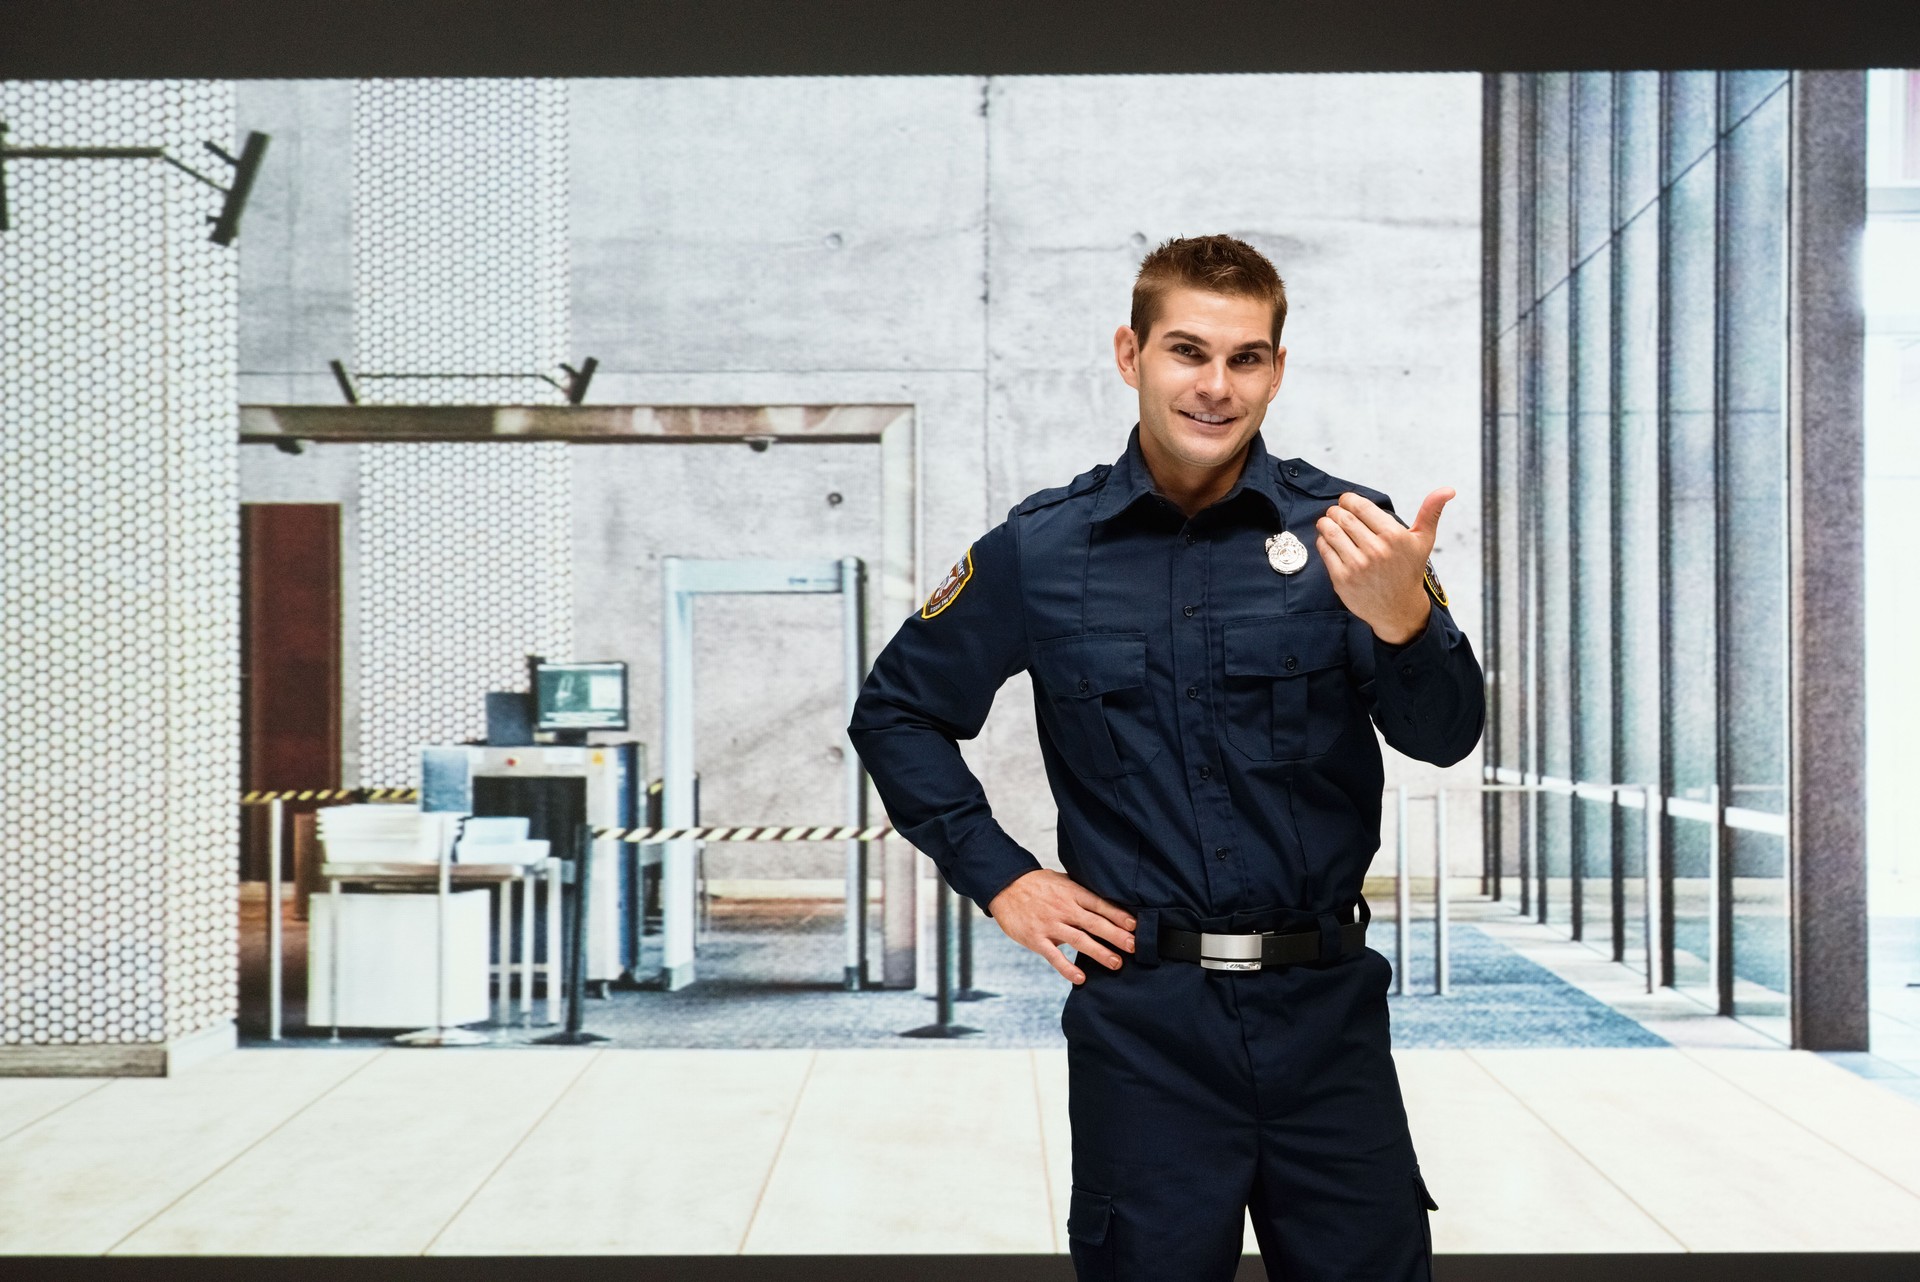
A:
[(1218, 264)]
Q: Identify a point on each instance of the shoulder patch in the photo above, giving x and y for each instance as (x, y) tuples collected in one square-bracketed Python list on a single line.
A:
[(1432, 581), (950, 586)]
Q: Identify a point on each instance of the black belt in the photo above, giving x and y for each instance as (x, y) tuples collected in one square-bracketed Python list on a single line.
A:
[(1253, 952)]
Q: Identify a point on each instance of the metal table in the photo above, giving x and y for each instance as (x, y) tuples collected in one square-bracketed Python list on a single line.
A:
[(501, 876)]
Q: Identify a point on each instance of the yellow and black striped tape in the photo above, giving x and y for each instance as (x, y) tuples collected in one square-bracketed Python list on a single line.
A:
[(650, 836), (261, 796)]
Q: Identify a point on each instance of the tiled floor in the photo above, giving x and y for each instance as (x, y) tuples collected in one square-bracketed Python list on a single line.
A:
[(941, 1149)]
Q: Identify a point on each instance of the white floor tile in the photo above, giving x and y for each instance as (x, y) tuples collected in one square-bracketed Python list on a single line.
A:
[(378, 1166), (650, 1153), (910, 1151), (1504, 1180), (1056, 1133), (25, 1100), (1874, 1125), (1714, 1166), (82, 1178)]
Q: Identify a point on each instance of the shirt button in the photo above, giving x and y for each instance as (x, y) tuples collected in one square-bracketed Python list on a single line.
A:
[(1293, 471), (1193, 692), (1219, 852), (1406, 671), (1206, 772), (1292, 663), (1083, 685), (1189, 538), (1187, 610)]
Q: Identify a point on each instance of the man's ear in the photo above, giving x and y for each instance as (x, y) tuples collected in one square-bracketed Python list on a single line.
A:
[(1126, 354), (1279, 372)]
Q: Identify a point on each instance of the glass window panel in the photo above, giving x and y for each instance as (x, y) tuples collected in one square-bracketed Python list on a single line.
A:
[(1636, 109), (1592, 158), (1507, 288), (1637, 485), (1690, 846), (1692, 119), (1552, 529), (1688, 432), (1753, 304), (1746, 90), (1760, 937), (1552, 215), (1509, 658), (1590, 481), (1754, 363), (1636, 549)]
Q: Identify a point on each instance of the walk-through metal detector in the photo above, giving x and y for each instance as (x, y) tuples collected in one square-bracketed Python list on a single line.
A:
[(684, 580)]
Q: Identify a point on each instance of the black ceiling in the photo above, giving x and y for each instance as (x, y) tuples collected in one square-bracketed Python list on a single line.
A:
[(324, 38)]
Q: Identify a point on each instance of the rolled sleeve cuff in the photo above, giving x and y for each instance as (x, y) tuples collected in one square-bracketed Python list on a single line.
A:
[(986, 863), (1422, 654)]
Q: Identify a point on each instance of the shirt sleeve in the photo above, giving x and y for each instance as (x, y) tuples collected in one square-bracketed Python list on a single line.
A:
[(1428, 696), (931, 687)]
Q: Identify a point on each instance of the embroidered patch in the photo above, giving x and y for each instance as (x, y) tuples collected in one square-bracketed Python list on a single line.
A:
[(1432, 581), (949, 587)]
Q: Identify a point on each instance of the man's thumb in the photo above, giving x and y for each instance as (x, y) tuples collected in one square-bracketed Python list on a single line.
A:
[(1428, 520)]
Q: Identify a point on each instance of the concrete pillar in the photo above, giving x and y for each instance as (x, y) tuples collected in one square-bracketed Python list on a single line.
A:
[(1826, 462)]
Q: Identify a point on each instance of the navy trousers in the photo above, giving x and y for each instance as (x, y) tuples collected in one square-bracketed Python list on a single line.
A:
[(1198, 1095)]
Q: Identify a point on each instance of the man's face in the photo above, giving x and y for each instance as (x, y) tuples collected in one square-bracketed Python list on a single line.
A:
[(1205, 375)]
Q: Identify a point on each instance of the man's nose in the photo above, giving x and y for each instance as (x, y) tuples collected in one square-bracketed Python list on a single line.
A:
[(1213, 382)]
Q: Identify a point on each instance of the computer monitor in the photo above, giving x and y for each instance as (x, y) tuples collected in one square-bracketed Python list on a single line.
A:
[(572, 698)]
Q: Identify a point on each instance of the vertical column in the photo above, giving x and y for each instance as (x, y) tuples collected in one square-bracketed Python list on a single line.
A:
[(461, 284), (1827, 681), (120, 637)]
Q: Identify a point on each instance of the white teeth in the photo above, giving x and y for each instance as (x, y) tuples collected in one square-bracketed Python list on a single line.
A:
[(1205, 418)]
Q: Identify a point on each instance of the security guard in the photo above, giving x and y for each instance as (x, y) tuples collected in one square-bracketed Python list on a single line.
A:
[(1208, 631)]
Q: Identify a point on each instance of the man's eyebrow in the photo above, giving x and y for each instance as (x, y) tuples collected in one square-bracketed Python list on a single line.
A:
[(1253, 345)]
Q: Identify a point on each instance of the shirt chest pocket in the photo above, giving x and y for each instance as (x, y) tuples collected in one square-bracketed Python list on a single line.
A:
[(1094, 688), (1288, 694)]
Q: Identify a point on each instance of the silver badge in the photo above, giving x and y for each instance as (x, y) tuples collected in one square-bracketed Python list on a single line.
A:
[(1286, 554)]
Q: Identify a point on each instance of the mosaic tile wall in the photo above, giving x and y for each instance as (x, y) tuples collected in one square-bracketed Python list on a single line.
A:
[(460, 282), (119, 695)]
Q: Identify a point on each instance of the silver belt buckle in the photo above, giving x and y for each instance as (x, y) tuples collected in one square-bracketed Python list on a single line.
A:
[(1231, 952)]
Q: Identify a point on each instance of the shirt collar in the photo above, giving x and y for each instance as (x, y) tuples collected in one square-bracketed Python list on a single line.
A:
[(1130, 481)]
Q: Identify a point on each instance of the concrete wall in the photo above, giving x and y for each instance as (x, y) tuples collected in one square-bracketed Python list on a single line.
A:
[(966, 246)]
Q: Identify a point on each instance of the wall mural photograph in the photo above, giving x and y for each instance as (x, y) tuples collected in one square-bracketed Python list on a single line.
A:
[(1376, 662)]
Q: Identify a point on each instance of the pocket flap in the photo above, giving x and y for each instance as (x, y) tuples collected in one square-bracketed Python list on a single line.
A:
[(1084, 666), (1087, 1216), (1286, 645)]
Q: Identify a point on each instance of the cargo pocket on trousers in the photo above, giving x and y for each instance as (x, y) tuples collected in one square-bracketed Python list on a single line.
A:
[(1089, 1216)]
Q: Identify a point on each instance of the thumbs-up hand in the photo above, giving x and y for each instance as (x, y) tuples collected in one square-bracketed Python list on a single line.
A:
[(1376, 563)]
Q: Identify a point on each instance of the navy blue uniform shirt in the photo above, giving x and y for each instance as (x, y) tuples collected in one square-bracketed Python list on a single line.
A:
[(1206, 722)]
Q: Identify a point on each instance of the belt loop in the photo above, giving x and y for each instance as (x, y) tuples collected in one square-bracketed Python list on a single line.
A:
[(1329, 935), (1146, 938)]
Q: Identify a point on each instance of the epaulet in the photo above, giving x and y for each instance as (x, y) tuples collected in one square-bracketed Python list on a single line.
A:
[(1308, 479), (1091, 479)]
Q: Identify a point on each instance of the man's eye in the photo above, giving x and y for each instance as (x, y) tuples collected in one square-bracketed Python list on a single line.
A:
[(1183, 349)]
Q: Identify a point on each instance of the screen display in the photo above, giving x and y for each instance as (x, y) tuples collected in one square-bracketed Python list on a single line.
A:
[(581, 696)]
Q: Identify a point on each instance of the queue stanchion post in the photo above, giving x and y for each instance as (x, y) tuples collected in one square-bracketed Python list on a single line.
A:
[(1402, 895), (576, 947), (276, 814), (1440, 892), (442, 1033), (943, 1025), (965, 991)]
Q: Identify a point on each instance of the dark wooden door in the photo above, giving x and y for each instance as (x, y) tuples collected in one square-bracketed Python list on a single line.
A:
[(290, 658)]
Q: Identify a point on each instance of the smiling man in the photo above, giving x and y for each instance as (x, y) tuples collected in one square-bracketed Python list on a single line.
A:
[(1212, 635)]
